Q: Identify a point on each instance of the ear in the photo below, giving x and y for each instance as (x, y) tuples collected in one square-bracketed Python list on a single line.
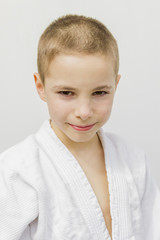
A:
[(118, 78), (39, 86)]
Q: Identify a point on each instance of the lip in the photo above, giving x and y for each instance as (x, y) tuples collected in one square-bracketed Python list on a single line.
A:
[(82, 128), (82, 125)]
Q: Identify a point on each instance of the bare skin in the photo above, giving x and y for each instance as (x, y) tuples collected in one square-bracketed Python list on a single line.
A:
[(93, 165)]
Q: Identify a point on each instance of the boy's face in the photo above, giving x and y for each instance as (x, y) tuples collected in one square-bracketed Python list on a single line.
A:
[(79, 91)]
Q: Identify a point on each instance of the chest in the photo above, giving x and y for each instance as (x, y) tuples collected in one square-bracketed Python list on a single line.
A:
[(98, 180)]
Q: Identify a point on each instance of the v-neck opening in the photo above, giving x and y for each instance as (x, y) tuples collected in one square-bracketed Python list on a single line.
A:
[(95, 218)]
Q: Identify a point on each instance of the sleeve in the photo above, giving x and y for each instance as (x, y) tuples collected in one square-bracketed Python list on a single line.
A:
[(151, 206), (18, 205)]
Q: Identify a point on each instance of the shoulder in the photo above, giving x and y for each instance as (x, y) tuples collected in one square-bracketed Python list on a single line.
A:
[(124, 148), (129, 158), (20, 155), (20, 168), (18, 194), (126, 151)]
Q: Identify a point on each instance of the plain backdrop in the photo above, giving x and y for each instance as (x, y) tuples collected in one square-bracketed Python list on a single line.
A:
[(136, 26)]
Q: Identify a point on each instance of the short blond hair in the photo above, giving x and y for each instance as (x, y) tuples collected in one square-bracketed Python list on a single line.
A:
[(71, 34)]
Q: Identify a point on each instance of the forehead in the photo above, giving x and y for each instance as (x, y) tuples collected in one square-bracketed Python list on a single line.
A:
[(80, 68)]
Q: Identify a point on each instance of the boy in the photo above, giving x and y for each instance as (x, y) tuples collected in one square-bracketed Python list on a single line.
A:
[(71, 180)]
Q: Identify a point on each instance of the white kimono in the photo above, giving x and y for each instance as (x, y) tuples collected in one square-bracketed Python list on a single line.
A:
[(45, 194)]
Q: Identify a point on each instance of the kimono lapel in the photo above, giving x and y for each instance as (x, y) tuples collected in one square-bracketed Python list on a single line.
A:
[(124, 201), (75, 177)]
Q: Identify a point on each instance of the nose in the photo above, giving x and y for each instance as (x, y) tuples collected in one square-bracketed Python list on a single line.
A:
[(84, 110)]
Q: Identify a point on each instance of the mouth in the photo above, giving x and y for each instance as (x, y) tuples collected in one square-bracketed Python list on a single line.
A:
[(82, 128)]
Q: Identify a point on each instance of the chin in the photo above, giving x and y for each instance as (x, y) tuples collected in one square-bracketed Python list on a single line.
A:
[(81, 137)]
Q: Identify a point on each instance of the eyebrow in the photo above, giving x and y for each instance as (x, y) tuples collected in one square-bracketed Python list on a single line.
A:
[(74, 89)]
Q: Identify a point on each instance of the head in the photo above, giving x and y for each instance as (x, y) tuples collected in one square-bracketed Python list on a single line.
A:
[(78, 64)]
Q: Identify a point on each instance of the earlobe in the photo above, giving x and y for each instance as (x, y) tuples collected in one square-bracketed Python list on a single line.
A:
[(39, 86)]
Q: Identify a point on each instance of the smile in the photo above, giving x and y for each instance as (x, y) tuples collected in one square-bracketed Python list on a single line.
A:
[(82, 128)]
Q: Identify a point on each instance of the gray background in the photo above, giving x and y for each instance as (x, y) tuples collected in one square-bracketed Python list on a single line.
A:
[(135, 25)]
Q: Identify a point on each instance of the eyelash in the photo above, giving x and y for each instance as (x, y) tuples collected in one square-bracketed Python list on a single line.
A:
[(64, 93)]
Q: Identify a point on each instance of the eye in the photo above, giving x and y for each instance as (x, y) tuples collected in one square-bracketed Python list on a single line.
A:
[(100, 93), (69, 93), (65, 93)]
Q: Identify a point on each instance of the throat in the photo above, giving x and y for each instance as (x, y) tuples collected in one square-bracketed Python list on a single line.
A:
[(91, 160)]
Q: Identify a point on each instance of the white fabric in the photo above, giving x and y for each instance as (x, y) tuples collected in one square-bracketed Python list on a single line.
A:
[(45, 194)]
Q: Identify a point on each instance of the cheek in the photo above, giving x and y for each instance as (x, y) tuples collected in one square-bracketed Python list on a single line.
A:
[(57, 109), (105, 107), (104, 113)]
